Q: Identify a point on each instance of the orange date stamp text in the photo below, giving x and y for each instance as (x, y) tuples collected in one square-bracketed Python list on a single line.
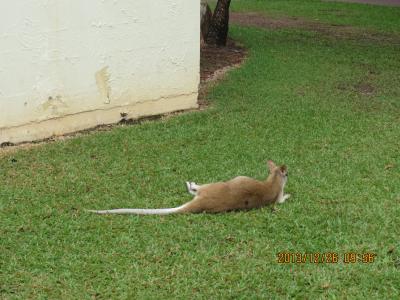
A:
[(325, 257)]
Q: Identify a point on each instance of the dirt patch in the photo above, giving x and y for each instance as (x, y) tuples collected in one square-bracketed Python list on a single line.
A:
[(213, 58), (260, 20), (215, 62), (330, 30), (365, 88)]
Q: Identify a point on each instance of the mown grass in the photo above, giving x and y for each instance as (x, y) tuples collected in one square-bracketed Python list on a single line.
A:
[(297, 100), (375, 17)]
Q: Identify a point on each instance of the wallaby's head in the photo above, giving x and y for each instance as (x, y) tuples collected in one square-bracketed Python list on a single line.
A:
[(279, 171)]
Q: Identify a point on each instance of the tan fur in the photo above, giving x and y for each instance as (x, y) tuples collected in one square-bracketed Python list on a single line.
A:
[(239, 193)]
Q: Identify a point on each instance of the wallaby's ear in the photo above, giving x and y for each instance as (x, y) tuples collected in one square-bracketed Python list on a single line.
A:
[(283, 169), (271, 165)]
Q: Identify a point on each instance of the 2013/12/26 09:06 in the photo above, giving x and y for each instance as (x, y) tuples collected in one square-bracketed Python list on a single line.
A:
[(325, 257)]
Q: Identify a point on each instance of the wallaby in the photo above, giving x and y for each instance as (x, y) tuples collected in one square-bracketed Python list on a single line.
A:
[(239, 193)]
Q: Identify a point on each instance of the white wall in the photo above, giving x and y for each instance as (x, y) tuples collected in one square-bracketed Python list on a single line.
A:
[(70, 65)]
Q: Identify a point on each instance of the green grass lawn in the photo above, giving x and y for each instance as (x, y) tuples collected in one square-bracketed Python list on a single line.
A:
[(299, 99), (381, 18)]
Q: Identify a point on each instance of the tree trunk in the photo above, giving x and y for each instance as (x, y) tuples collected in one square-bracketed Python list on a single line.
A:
[(218, 31), (205, 21)]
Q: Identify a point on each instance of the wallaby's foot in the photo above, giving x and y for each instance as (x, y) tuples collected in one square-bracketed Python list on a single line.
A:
[(192, 188), (274, 209)]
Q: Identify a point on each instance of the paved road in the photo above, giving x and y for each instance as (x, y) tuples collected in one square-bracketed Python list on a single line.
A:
[(378, 2)]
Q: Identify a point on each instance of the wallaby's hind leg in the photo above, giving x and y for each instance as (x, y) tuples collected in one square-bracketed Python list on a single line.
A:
[(192, 188)]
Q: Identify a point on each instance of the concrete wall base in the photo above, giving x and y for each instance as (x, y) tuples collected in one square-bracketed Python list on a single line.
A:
[(89, 119)]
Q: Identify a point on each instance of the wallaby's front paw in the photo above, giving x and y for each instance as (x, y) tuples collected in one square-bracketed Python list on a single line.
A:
[(187, 183), (285, 197)]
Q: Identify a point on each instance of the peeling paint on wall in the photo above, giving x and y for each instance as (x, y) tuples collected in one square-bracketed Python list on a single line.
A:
[(103, 84), (54, 106), (65, 58)]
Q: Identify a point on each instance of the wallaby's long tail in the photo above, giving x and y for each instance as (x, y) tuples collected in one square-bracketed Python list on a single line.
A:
[(140, 211)]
